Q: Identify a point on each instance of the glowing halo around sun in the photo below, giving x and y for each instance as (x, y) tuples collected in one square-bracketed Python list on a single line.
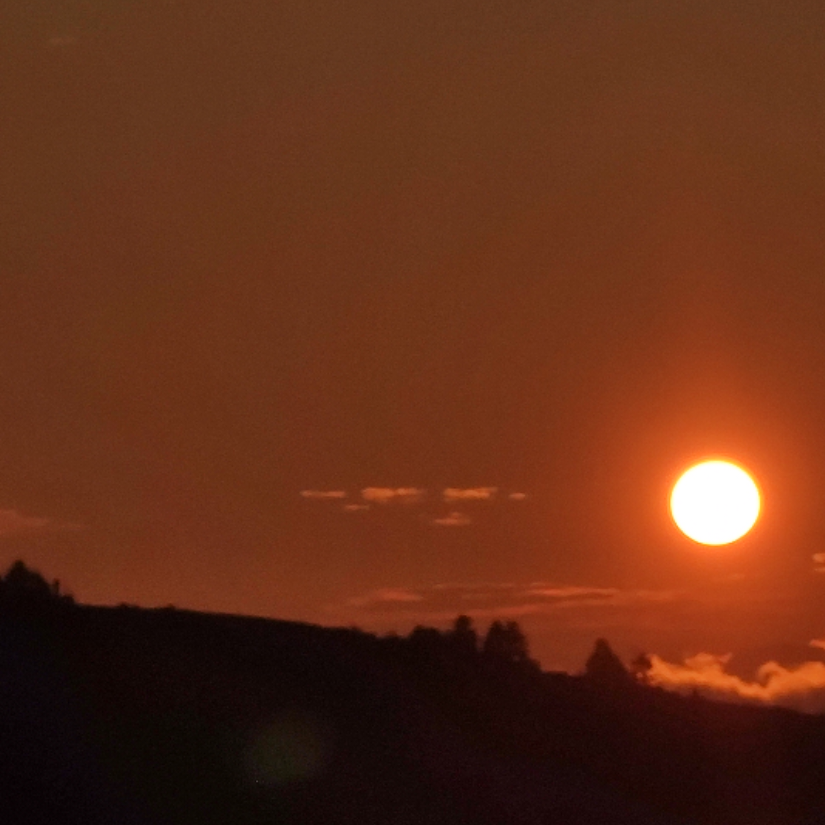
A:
[(715, 502)]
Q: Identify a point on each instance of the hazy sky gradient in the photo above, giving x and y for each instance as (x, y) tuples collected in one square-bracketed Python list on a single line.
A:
[(555, 248)]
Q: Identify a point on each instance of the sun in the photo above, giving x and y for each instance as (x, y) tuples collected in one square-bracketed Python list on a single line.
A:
[(715, 502)]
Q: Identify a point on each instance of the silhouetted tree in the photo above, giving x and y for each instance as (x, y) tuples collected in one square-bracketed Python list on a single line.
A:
[(21, 581), (426, 641), (493, 642), (604, 667), (505, 643), (463, 638), (24, 587)]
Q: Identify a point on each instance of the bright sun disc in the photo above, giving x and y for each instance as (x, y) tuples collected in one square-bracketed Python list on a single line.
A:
[(715, 502)]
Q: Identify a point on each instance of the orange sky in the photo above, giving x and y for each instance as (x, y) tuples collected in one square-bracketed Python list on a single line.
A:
[(552, 248)]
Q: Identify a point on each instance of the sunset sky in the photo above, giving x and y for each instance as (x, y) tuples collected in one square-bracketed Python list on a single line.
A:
[(373, 313)]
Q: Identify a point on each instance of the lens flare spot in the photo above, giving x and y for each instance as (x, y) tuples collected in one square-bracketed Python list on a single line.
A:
[(293, 747)]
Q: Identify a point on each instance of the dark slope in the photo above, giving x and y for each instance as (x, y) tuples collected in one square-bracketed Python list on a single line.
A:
[(165, 716)]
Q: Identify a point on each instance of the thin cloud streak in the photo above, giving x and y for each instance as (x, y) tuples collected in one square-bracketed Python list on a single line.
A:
[(442, 601), (62, 41), (386, 595), (573, 592), (13, 523), (454, 519), (375, 495), (387, 495), (469, 494)]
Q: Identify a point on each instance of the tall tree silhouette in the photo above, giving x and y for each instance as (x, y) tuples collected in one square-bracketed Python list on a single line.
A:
[(604, 667), (506, 643), (463, 638), (426, 642)]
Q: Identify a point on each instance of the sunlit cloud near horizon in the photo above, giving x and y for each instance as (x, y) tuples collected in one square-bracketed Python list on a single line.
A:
[(799, 688)]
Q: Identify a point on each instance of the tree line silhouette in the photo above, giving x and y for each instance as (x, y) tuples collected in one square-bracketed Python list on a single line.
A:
[(173, 717), (504, 643)]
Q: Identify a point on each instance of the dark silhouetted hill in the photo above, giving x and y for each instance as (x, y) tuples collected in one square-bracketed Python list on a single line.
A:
[(127, 715)]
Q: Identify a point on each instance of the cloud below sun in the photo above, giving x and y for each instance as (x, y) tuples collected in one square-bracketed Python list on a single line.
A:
[(453, 519), (471, 494), (800, 688), (379, 497), (387, 495), (443, 602)]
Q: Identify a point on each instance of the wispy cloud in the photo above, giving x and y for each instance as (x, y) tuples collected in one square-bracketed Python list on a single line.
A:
[(454, 519), (13, 523), (801, 688), (819, 562), (323, 495), (440, 602), (375, 495), (387, 495), (62, 41), (572, 592), (469, 494), (386, 595)]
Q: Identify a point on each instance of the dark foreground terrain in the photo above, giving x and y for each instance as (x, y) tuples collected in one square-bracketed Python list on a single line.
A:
[(125, 715)]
